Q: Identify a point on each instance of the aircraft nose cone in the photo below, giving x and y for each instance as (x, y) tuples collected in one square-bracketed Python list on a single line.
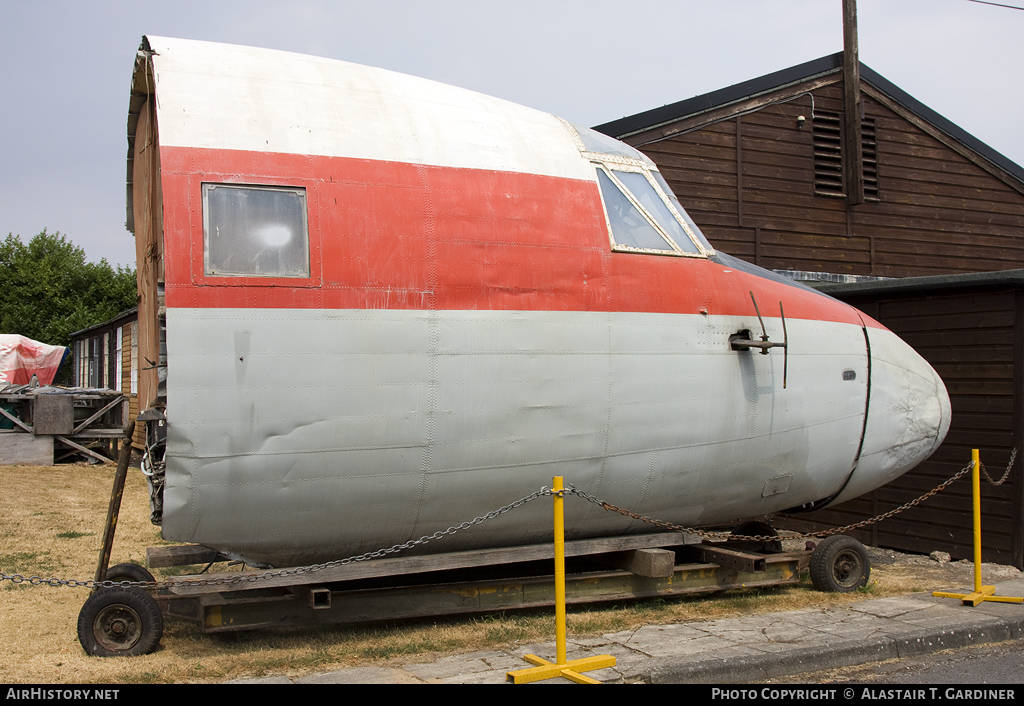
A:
[(908, 414)]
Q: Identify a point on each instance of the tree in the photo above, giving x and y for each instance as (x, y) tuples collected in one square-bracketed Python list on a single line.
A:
[(48, 290)]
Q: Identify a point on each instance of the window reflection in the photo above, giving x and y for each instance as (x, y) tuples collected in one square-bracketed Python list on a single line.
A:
[(256, 231), (643, 191), (629, 226)]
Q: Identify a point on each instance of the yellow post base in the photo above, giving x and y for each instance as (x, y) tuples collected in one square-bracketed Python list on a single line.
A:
[(981, 593), (978, 597), (570, 670)]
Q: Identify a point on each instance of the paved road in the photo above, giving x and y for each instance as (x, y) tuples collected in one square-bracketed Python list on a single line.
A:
[(999, 663)]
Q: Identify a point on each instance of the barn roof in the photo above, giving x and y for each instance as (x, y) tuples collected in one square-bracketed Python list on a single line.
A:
[(795, 75)]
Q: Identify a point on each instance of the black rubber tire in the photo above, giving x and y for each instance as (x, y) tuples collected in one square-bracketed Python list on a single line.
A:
[(120, 622), (755, 528), (128, 572), (840, 564)]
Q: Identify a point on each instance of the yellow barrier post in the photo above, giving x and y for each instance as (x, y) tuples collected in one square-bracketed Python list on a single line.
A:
[(981, 593), (561, 667)]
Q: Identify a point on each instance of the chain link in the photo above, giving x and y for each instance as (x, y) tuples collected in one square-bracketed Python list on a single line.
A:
[(1006, 475), (569, 490), (726, 536), (249, 578)]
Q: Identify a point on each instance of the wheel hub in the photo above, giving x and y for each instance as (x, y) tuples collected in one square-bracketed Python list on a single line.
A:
[(847, 569), (117, 627)]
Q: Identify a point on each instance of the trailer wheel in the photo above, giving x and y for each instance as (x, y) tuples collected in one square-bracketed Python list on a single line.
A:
[(754, 528), (120, 621), (128, 572), (840, 564)]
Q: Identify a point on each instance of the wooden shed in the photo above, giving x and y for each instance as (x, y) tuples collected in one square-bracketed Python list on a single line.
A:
[(107, 356), (764, 168)]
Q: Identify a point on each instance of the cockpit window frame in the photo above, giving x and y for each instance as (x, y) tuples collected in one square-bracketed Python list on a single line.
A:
[(608, 163), (673, 248)]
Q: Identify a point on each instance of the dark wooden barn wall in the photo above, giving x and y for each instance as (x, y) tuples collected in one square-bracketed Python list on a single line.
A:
[(971, 339), (937, 213)]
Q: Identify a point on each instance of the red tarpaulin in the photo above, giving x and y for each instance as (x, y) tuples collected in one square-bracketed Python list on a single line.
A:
[(21, 358)]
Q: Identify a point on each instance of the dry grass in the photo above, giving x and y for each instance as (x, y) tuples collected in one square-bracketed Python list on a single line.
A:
[(51, 524)]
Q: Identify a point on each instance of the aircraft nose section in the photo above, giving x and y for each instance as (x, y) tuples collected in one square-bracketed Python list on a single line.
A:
[(908, 414)]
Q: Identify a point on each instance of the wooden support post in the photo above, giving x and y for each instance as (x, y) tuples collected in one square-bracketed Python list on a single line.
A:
[(1017, 437), (739, 171), (115, 502), (853, 159)]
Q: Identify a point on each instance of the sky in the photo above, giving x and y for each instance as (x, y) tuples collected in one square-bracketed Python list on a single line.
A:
[(65, 69)]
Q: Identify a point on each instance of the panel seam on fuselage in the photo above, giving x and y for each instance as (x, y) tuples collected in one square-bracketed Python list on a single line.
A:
[(864, 428)]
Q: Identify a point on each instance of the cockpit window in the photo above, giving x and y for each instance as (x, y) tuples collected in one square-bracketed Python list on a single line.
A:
[(643, 213), (644, 192), (629, 226), (697, 234)]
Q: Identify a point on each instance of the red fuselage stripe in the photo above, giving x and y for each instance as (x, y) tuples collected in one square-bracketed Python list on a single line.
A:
[(386, 235)]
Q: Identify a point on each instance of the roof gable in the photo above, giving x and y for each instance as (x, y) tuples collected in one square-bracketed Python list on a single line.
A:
[(726, 102)]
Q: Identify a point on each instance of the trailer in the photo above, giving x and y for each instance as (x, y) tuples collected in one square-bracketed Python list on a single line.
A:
[(128, 619)]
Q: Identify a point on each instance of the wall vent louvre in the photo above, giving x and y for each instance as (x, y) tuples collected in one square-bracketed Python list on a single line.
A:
[(869, 154), (828, 154)]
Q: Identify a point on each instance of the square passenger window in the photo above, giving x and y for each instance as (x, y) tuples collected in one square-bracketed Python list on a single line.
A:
[(258, 231)]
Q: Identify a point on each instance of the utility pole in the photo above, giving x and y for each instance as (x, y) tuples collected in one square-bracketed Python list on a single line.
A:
[(853, 163)]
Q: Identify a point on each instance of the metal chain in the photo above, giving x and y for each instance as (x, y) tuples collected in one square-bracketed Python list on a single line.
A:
[(726, 536), (569, 490), (249, 578), (1006, 475)]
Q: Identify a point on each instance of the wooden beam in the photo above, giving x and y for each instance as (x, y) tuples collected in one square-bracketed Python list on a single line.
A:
[(17, 421), (853, 163), (114, 507), (148, 214), (231, 611), (182, 555), (95, 416), (946, 139), (652, 563), (695, 122), (739, 170), (732, 559), (398, 566), (1017, 520), (88, 452)]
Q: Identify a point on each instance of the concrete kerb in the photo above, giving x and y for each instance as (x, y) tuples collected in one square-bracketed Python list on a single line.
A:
[(927, 641), (740, 650), (740, 670), (962, 631)]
